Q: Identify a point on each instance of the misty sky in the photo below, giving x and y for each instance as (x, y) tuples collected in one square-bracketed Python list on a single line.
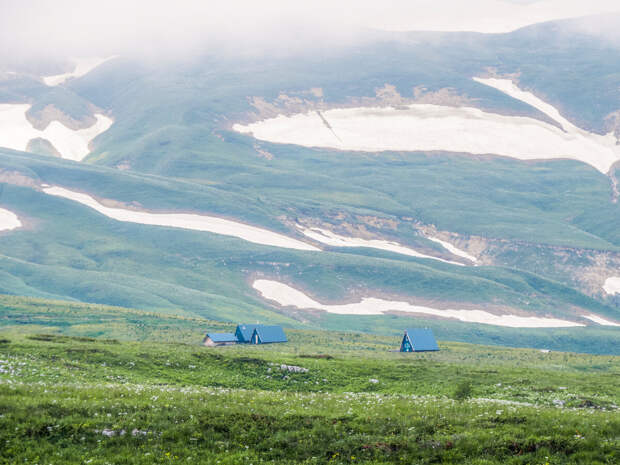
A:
[(113, 26)]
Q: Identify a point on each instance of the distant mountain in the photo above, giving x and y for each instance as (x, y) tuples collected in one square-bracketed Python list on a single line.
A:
[(464, 180)]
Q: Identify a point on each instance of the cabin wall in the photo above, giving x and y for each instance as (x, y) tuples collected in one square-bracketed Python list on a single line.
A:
[(209, 343)]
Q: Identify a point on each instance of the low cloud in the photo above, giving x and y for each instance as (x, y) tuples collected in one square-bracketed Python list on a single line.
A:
[(43, 28)]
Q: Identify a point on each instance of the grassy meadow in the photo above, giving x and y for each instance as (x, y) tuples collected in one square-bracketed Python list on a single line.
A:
[(166, 399), (125, 380)]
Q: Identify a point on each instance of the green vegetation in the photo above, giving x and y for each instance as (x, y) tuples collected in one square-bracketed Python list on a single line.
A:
[(86, 320), (95, 384), (79, 399), (462, 391), (70, 251), (172, 139)]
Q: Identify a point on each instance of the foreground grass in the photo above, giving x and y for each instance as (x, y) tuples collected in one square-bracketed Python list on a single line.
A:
[(97, 423), (66, 400)]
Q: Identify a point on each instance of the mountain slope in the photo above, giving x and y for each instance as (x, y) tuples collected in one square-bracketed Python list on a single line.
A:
[(437, 229)]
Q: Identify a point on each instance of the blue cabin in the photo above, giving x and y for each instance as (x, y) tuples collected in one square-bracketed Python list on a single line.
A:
[(268, 334), (260, 334), (219, 339), (418, 340), (244, 333)]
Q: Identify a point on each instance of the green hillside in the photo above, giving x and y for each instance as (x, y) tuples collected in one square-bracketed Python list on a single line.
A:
[(70, 251), (22, 314), (546, 233)]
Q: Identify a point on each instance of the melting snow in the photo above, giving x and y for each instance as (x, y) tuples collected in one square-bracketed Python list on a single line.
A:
[(16, 131), (612, 285), (8, 220), (287, 296), (83, 66), (600, 321), (455, 250), (510, 88), (330, 238), (185, 221), (427, 127)]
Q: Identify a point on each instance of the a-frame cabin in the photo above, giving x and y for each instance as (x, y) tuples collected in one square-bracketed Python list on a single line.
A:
[(418, 340), (267, 335)]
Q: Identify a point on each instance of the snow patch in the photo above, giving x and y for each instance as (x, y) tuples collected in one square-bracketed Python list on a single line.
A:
[(83, 66), (454, 250), (185, 221), (16, 131), (612, 285), (330, 238), (8, 220), (600, 320), (428, 127), (509, 88), (288, 296)]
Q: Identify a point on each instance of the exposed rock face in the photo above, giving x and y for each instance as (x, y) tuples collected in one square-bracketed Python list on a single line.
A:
[(386, 96), (583, 269), (612, 124), (17, 179), (362, 226), (446, 96), (42, 146), (42, 118)]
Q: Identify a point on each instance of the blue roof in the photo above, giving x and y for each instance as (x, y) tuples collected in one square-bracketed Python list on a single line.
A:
[(222, 337), (269, 334), (244, 332), (422, 339)]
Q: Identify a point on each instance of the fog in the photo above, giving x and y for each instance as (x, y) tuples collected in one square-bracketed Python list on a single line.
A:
[(40, 28)]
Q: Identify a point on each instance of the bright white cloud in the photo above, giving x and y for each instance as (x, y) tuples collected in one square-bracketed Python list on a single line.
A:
[(115, 26), (491, 16), (83, 66)]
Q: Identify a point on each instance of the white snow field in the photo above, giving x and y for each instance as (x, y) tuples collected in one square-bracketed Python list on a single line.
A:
[(83, 66), (600, 321), (8, 220), (612, 285), (16, 131), (428, 127), (185, 221), (285, 295), (330, 238), (453, 249)]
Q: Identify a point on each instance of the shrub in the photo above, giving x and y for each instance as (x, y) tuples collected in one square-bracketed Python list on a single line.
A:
[(462, 391)]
